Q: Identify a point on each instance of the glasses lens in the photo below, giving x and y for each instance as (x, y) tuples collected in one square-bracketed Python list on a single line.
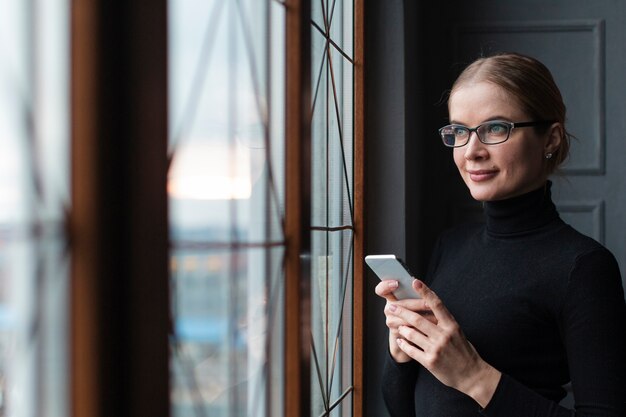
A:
[(453, 135), (494, 132)]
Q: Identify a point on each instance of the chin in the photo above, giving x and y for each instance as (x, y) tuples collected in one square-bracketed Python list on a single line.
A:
[(482, 197), (485, 192)]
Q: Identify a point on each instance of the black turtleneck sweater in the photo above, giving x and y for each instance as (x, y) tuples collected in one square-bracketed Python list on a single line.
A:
[(540, 302)]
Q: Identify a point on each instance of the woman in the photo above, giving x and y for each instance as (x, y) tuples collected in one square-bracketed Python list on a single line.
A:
[(516, 307)]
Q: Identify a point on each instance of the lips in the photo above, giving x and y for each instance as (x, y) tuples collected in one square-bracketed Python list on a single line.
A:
[(482, 174)]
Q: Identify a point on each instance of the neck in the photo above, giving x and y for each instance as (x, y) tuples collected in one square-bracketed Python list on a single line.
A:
[(520, 214)]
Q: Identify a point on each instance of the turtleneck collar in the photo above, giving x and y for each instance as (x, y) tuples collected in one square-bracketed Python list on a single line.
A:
[(522, 213)]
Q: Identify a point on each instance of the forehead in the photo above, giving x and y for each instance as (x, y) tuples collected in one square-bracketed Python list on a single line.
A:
[(474, 103)]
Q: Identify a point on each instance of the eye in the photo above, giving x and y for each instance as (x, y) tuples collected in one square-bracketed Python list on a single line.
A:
[(447, 130), (460, 131), (497, 129)]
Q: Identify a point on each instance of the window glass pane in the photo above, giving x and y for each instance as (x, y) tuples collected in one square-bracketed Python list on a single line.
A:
[(332, 209), (34, 190), (226, 193), (332, 321)]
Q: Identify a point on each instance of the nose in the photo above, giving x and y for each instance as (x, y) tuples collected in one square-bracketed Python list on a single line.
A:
[(475, 149)]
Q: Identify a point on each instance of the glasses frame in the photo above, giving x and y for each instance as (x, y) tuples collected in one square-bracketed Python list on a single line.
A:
[(512, 125)]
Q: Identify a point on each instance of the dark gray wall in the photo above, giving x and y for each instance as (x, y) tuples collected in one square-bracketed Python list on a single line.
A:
[(385, 170), (402, 156)]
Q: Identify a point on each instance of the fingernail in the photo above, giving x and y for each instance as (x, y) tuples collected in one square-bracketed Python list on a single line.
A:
[(418, 284), (392, 284), (399, 341), (392, 307)]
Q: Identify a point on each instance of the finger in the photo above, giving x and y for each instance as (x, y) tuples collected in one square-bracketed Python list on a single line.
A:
[(385, 289), (412, 318), (428, 315), (415, 337), (411, 350), (420, 306), (433, 302), (393, 322), (414, 304)]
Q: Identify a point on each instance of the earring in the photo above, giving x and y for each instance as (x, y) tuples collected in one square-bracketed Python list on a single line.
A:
[(548, 155)]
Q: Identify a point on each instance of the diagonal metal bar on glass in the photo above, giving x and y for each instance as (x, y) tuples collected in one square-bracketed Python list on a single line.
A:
[(332, 15), (325, 17), (340, 325), (198, 80), (339, 400), (328, 22), (319, 79), (319, 75), (35, 336), (339, 123), (30, 126), (325, 398), (264, 111), (234, 399), (254, 77), (271, 309), (269, 187), (192, 382), (31, 144), (337, 47)]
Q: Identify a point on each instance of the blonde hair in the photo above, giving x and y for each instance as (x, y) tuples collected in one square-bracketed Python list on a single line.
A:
[(531, 83)]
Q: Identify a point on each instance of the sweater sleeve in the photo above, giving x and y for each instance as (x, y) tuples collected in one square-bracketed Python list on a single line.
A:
[(593, 328), (398, 381), (398, 386)]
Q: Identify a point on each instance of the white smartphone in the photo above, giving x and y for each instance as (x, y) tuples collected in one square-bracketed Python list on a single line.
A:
[(392, 267)]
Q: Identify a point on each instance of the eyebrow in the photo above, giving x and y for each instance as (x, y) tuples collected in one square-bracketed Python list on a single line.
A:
[(490, 119)]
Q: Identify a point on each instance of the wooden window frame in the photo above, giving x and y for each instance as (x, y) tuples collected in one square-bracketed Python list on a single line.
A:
[(118, 221), (359, 209)]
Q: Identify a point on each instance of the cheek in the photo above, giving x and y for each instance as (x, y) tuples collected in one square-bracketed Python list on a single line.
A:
[(526, 166), (529, 159), (459, 159)]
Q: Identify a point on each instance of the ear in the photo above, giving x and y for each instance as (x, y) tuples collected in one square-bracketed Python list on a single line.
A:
[(553, 138)]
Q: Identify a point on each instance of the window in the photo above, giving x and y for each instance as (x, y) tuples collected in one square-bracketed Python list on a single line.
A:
[(226, 191), (332, 211), (34, 197), (233, 349)]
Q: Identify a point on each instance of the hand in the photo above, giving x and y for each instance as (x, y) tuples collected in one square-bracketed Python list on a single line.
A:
[(385, 290), (442, 348)]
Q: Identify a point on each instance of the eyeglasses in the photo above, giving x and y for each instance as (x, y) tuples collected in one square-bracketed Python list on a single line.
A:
[(489, 133)]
